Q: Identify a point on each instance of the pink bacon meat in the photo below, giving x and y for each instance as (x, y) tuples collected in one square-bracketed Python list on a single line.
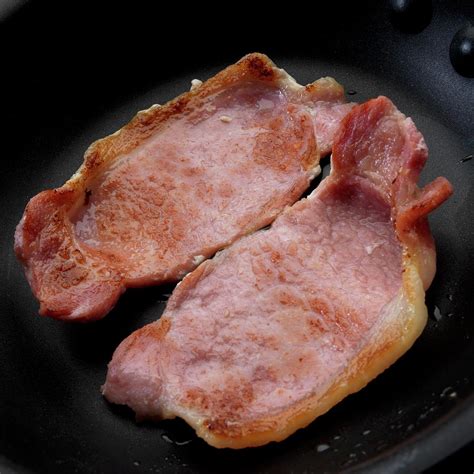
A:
[(275, 330), (175, 185)]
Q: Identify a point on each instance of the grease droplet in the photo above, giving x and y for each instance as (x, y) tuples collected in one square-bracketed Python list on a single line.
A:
[(104, 273), (437, 314), (170, 440), (136, 463), (446, 392), (183, 443), (366, 432)]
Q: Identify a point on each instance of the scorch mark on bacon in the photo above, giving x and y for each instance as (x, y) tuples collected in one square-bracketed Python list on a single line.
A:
[(175, 185), (278, 328)]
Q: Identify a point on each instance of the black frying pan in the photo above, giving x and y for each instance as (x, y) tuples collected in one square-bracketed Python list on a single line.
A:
[(72, 74)]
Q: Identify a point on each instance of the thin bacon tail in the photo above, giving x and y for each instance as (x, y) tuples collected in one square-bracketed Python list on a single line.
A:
[(379, 143), (426, 201)]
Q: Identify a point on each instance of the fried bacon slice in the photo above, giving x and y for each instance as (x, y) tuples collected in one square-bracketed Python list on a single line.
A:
[(175, 185), (278, 328)]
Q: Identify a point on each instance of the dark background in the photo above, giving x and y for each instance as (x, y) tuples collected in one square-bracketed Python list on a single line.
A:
[(73, 72)]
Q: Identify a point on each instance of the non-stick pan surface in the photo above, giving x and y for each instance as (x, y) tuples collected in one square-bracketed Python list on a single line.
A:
[(72, 74)]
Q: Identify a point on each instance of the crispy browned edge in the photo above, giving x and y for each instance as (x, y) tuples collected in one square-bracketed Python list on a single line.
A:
[(386, 346), (255, 66)]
